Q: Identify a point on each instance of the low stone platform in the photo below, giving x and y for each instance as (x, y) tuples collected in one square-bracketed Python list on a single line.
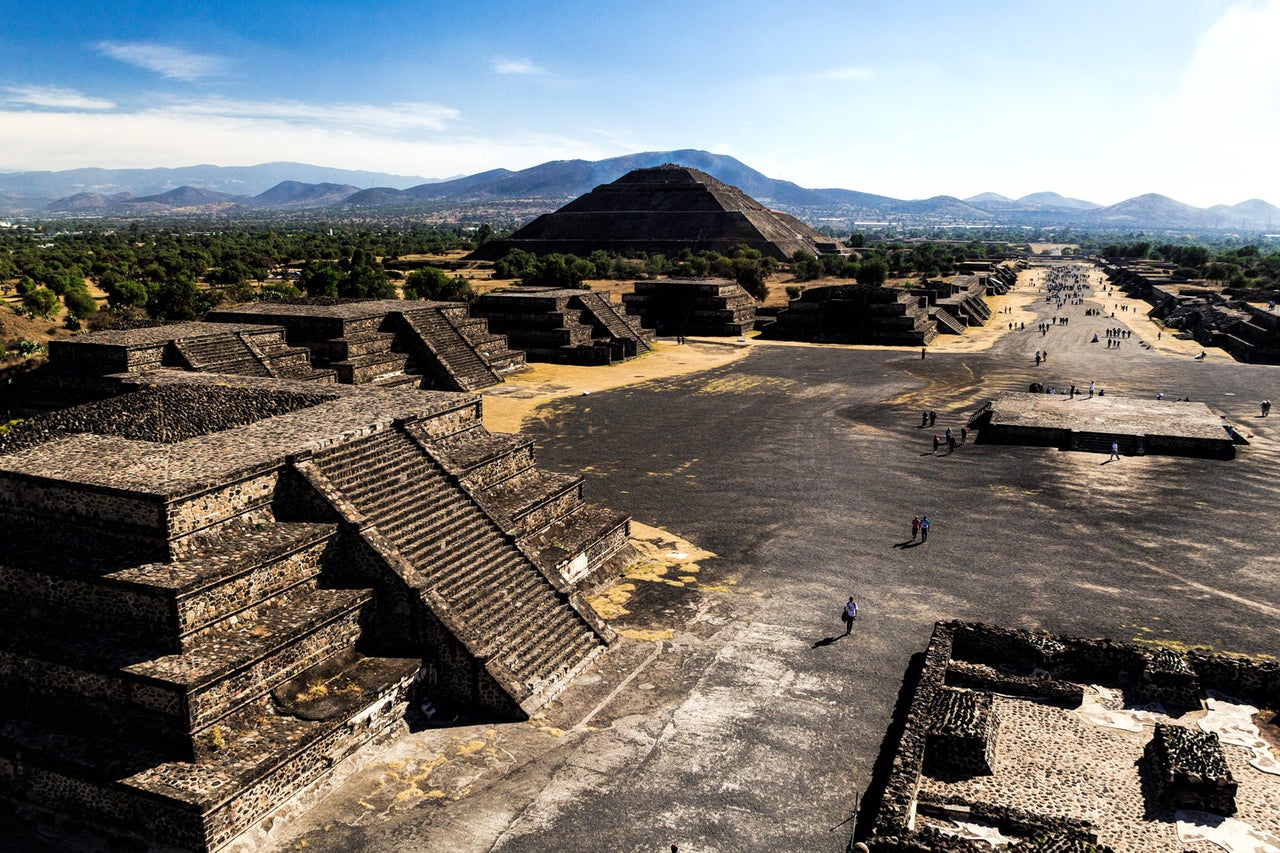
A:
[(1092, 424)]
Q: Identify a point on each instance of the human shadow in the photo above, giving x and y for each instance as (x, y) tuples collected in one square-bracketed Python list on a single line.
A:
[(910, 543), (826, 641), (1108, 462)]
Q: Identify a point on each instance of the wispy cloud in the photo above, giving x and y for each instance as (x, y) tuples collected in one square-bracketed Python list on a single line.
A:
[(851, 72), (163, 59), (375, 118), (55, 98), (519, 67)]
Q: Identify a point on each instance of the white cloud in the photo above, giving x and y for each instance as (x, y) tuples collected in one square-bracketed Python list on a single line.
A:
[(519, 67), (395, 139), (852, 72), (55, 98), (390, 119), (164, 60)]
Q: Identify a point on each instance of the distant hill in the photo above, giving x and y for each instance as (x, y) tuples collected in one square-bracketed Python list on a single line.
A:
[(234, 180), (547, 186), (299, 194)]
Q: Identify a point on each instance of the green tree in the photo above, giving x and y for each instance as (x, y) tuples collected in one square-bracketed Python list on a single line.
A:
[(41, 301), (434, 284), (873, 270), (80, 303)]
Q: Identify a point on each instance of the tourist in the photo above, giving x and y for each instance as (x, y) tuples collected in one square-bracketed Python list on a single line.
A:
[(937, 441), (1037, 358), (933, 417), (922, 352), (915, 528), (849, 613), (924, 420), (1266, 407), (964, 435), (1115, 451), (1090, 389), (925, 524)]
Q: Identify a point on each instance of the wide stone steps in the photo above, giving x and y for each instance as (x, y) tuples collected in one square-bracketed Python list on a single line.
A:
[(607, 316), (221, 354), (947, 324), (500, 596), (1097, 442), (456, 354)]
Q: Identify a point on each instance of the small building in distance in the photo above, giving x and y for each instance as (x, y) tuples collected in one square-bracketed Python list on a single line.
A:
[(662, 210)]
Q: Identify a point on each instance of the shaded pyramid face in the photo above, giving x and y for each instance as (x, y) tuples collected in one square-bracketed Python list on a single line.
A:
[(664, 209)]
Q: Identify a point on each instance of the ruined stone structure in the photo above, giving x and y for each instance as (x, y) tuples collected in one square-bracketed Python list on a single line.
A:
[(391, 341), (961, 736), (1186, 765), (575, 326), (1239, 322), (1091, 424), (1190, 771), (217, 590), (430, 345), (890, 316), (665, 210), (692, 306)]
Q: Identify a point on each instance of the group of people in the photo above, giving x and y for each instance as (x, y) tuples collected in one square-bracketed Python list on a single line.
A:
[(950, 439)]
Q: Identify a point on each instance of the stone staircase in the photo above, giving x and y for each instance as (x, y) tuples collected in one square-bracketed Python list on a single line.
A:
[(570, 539), (505, 609), (227, 353), (1099, 442), (602, 313), (435, 338), (946, 323)]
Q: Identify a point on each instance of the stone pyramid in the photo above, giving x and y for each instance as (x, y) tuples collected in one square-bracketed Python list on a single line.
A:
[(664, 209)]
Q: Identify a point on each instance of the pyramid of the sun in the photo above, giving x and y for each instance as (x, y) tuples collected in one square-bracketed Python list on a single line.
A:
[(665, 209)]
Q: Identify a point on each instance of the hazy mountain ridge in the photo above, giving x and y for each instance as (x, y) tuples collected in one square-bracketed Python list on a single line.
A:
[(134, 192)]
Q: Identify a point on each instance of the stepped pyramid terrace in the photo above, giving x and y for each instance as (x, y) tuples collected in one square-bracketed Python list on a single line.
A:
[(387, 343), (666, 210), (218, 590), (891, 315), (552, 324)]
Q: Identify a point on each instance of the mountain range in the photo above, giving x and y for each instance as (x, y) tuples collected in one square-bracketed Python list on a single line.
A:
[(299, 186)]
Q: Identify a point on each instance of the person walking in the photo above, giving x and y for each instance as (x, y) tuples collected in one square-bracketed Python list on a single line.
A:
[(1091, 386), (937, 440), (933, 417), (1115, 452), (849, 613), (925, 524), (915, 528)]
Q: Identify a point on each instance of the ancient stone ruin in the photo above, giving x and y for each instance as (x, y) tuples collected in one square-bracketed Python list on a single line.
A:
[(1092, 424), (219, 589), (1241, 321), (574, 326), (692, 306), (1086, 698), (664, 210), (890, 316), (1189, 770), (388, 343)]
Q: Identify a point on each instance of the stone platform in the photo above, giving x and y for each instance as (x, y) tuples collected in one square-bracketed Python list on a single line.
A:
[(1091, 424)]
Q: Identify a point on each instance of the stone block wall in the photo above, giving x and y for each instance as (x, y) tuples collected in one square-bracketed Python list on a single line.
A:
[(1189, 770), (961, 735)]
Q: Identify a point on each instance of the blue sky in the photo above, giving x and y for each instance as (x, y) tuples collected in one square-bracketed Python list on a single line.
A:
[(1096, 100)]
